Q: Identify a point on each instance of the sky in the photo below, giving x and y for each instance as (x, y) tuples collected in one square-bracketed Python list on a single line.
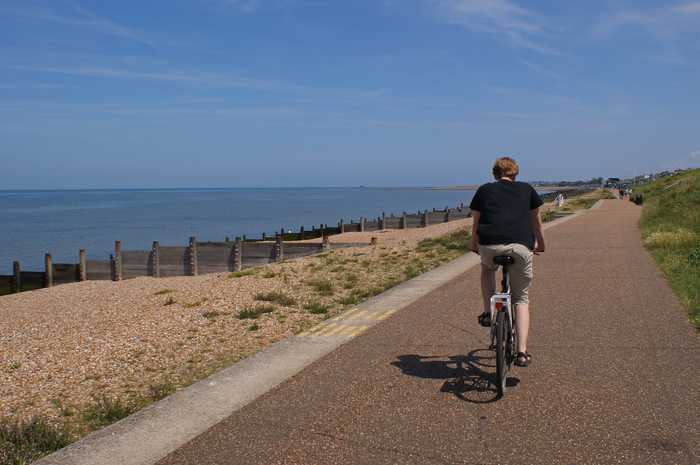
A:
[(267, 93)]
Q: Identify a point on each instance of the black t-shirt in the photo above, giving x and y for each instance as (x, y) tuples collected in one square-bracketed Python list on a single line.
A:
[(505, 212)]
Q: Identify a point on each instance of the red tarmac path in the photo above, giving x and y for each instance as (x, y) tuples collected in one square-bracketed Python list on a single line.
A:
[(615, 376)]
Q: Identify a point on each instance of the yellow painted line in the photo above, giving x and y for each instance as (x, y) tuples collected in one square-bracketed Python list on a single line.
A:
[(346, 331), (335, 330), (314, 329), (386, 315), (326, 330), (358, 330), (359, 316)]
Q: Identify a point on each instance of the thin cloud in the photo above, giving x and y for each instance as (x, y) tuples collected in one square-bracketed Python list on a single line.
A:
[(331, 95), (663, 23), (691, 8), (540, 69), (82, 18), (518, 26), (672, 28), (218, 80)]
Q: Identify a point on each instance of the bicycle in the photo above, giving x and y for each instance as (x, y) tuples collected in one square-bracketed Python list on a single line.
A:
[(503, 335)]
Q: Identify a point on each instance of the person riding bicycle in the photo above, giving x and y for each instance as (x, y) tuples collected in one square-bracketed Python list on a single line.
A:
[(506, 221)]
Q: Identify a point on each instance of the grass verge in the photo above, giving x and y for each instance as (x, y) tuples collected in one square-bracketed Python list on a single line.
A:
[(670, 227)]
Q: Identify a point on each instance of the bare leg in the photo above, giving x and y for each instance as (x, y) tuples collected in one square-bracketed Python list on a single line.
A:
[(522, 325), (488, 286)]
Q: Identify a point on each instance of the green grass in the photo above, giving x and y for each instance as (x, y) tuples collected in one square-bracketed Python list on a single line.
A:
[(316, 308), (458, 240), (276, 297), (161, 390), (106, 411), (194, 304), (351, 299), (240, 274), (253, 327), (254, 312), (670, 227), (323, 287), (24, 442), (164, 291)]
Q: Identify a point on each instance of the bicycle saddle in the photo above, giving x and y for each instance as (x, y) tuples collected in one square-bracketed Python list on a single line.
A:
[(503, 260)]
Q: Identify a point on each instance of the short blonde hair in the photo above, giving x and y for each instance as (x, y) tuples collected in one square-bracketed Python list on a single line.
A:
[(505, 167)]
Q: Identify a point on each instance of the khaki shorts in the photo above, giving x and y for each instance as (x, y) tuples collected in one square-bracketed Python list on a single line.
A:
[(520, 271)]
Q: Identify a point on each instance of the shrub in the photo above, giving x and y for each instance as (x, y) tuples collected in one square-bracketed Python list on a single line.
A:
[(161, 390), (240, 274), (316, 308), (164, 291), (170, 300), (322, 286), (277, 297), (255, 312)]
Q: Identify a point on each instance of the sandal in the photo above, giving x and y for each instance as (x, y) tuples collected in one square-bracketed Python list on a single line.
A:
[(523, 359), (485, 319)]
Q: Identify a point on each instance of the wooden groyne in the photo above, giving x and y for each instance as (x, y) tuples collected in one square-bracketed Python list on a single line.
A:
[(197, 257)]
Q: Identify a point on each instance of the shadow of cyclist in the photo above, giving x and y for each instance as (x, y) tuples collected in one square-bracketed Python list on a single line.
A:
[(470, 378)]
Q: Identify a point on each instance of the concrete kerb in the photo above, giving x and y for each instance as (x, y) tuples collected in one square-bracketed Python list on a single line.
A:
[(150, 434)]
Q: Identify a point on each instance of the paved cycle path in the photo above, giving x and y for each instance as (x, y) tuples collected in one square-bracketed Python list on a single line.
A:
[(615, 376)]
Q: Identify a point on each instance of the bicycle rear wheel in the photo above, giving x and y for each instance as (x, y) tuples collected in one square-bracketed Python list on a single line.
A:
[(501, 341)]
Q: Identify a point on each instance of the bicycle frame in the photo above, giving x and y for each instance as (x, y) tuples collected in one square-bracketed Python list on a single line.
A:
[(502, 302)]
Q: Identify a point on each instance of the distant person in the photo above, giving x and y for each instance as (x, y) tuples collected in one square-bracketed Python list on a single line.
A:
[(559, 200), (506, 215)]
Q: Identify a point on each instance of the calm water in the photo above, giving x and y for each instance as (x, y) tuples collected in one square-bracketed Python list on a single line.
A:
[(62, 222)]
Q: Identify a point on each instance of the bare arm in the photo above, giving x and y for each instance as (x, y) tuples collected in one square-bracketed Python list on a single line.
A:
[(474, 245), (537, 230)]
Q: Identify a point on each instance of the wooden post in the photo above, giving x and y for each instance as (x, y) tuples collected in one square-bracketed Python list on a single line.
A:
[(325, 244), (264, 236), (402, 222), (48, 270), (279, 249), (16, 277), (155, 253), (424, 219), (362, 224), (373, 241), (301, 233), (193, 256), (341, 226), (447, 215), (237, 255), (117, 261), (82, 266)]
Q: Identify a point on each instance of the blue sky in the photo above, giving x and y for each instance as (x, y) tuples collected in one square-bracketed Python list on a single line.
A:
[(314, 93)]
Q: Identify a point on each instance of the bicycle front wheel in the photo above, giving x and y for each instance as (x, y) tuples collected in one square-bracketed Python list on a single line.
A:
[(501, 341)]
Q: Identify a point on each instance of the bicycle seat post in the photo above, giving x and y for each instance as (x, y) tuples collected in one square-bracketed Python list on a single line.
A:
[(504, 261)]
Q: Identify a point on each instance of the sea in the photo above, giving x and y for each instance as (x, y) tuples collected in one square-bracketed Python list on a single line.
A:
[(61, 222)]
